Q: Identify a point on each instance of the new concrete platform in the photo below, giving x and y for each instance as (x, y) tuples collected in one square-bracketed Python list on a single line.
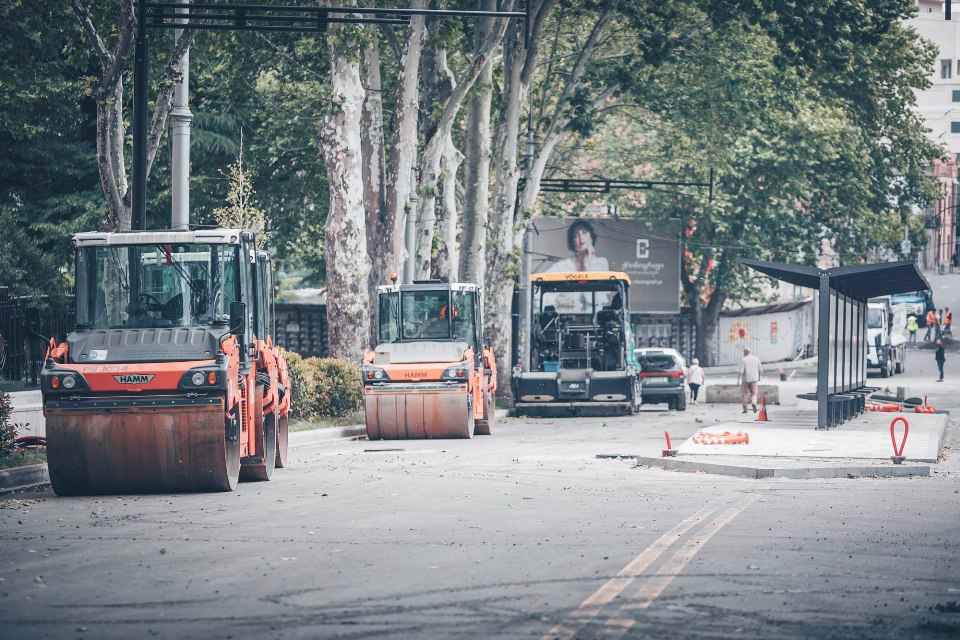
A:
[(791, 434), (791, 447)]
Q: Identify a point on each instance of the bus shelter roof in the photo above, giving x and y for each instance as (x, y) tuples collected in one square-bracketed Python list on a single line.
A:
[(861, 281)]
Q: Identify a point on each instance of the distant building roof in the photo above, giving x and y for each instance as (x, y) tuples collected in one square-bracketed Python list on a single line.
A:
[(776, 307)]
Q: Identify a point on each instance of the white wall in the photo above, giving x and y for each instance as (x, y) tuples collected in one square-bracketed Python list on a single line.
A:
[(773, 337)]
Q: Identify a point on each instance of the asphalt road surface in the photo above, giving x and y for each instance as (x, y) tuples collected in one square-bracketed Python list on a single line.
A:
[(522, 534)]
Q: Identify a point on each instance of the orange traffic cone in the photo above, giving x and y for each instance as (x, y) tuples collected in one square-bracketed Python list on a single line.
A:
[(762, 417)]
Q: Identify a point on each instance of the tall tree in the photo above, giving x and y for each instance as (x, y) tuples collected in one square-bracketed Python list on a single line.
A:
[(109, 97), (403, 149), (439, 142), (476, 172), (347, 260)]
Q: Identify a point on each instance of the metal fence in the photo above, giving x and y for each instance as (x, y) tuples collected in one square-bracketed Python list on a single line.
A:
[(675, 331), (21, 349), (302, 328)]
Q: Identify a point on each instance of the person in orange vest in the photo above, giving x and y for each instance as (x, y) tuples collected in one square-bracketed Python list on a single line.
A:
[(947, 321), (931, 323)]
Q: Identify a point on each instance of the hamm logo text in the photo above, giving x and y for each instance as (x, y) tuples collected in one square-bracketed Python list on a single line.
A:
[(134, 378)]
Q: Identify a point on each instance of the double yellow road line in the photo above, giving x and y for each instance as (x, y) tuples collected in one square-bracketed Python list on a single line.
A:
[(651, 586)]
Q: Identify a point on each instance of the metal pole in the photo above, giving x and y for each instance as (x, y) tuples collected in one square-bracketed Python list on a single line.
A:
[(524, 307), (180, 118), (141, 53), (410, 237), (823, 351)]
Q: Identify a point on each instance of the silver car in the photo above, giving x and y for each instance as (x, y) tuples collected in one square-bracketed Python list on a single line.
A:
[(662, 377)]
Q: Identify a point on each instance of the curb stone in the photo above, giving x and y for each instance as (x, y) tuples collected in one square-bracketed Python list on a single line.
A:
[(23, 477), (793, 473)]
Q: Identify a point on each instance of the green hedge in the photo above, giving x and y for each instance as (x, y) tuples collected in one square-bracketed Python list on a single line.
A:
[(8, 430), (323, 387)]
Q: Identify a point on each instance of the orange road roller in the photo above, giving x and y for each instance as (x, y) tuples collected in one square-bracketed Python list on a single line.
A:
[(170, 381), (431, 375)]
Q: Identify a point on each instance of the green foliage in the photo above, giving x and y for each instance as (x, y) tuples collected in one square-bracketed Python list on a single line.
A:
[(49, 185), (8, 430), (241, 212), (323, 387)]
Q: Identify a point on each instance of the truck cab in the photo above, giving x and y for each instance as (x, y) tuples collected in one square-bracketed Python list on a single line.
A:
[(886, 344)]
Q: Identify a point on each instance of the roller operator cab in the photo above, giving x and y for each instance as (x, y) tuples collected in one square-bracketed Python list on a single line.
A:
[(431, 375), (581, 347), (170, 380)]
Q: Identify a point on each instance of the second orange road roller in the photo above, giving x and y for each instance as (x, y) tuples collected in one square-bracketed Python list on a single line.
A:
[(170, 380), (431, 375)]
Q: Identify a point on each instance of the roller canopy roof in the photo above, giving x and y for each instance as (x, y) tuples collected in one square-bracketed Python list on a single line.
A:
[(576, 276), (861, 282)]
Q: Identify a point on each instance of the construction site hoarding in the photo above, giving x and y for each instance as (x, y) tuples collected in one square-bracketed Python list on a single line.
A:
[(647, 251)]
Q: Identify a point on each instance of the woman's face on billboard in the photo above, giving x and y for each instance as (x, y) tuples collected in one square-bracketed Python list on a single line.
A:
[(582, 240)]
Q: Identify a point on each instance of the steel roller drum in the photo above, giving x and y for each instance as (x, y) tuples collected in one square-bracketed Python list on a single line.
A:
[(138, 449), (409, 415)]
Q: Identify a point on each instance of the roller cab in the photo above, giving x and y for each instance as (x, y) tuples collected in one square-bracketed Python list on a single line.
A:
[(170, 380), (430, 375), (581, 358)]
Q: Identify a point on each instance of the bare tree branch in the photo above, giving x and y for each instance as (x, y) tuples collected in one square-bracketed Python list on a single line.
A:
[(578, 69), (171, 76), (83, 17)]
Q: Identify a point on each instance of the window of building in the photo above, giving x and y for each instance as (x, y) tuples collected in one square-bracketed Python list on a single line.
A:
[(956, 95), (946, 66), (955, 127)]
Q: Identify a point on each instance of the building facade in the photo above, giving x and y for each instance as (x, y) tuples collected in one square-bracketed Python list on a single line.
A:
[(939, 106)]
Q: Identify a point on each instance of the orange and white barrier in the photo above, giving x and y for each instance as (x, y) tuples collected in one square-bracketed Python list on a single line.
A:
[(704, 437), (889, 407)]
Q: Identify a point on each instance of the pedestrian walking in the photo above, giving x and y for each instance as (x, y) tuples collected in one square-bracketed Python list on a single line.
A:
[(748, 377), (947, 321), (912, 327), (931, 323), (941, 358), (695, 378)]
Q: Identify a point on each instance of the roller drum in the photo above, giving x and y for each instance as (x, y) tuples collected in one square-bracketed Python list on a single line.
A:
[(142, 450), (417, 415)]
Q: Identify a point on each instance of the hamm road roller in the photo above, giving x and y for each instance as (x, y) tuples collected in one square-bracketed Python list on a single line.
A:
[(170, 380), (431, 375), (581, 347)]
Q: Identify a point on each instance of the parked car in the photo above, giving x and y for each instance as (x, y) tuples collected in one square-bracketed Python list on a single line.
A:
[(662, 377)]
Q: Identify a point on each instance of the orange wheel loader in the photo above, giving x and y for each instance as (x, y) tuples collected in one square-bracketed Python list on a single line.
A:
[(170, 380), (431, 375)]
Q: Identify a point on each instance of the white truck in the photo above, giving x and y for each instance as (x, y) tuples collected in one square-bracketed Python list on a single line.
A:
[(886, 345)]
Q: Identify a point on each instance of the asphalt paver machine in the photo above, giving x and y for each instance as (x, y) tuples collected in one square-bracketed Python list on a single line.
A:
[(581, 347)]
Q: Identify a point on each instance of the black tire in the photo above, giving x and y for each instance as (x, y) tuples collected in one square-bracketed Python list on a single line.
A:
[(482, 427), (680, 403), (671, 404), (903, 360), (282, 436), (885, 370)]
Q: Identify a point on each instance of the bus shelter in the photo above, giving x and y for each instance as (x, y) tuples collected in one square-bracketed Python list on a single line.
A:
[(842, 294)]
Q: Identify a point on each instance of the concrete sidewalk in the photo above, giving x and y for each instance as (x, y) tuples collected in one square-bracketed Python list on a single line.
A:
[(793, 448)]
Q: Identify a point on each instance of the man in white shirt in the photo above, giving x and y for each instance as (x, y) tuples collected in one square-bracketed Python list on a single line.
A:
[(748, 377)]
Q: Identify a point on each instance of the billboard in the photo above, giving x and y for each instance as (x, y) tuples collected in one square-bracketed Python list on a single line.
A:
[(648, 252)]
